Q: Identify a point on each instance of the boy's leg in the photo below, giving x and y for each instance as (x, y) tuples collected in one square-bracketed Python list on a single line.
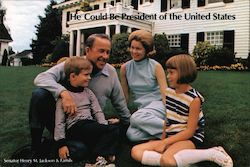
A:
[(108, 140), (41, 114)]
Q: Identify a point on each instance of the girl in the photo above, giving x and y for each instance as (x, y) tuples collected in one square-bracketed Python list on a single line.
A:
[(184, 123)]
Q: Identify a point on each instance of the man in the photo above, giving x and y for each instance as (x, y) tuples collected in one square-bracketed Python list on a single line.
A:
[(104, 83)]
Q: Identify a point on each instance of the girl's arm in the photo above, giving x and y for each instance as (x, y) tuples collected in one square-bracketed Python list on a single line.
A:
[(192, 123), (124, 82), (161, 79)]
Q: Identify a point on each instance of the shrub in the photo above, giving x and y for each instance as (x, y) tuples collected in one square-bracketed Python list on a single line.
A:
[(248, 61), (200, 52), (161, 48), (5, 58), (119, 52), (61, 50), (220, 56)]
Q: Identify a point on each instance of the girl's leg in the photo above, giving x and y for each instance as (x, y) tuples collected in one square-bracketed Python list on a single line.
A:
[(168, 157), (145, 153), (215, 154)]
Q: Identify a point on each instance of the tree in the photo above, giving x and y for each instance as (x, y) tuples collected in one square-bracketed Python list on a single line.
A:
[(48, 30), (5, 58)]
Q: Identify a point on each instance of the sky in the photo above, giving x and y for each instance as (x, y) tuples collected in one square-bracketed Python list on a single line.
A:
[(21, 18)]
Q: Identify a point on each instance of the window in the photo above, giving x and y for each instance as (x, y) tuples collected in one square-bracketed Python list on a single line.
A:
[(104, 5), (145, 1), (214, 1), (174, 40), (201, 3), (185, 4), (164, 5), (96, 7), (215, 38), (175, 4)]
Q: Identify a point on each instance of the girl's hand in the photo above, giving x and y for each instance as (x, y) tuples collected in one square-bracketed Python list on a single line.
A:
[(160, 146), (63, 152)]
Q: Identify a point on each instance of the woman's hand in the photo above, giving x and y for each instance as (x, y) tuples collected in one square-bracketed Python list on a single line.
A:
[(63, 152)]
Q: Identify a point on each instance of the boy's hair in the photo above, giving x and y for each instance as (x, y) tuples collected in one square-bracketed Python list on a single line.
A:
[(185, 66), (76, 65), (144, 37)]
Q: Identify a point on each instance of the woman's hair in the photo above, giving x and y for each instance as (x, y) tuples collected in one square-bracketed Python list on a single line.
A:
[(145, 38), (76, 65), (185, 66)]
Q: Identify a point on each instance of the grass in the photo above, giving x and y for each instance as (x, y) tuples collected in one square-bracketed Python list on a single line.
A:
[(226, 109)]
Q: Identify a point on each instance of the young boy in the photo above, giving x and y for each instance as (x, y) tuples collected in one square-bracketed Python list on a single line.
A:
[(88, 123)]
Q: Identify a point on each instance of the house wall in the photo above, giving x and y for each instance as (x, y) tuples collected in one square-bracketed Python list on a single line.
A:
[(239, 8), (4, 45)]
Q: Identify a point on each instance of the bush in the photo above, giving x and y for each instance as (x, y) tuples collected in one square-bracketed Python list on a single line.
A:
[(161, 48), (220, 56), (200, 52), (27, 61), (5, 58), (61, 50), (119, 52), (248, 61)]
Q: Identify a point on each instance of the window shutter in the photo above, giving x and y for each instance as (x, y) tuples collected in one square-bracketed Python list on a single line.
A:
[(164, 5), (185, 4), (228, 40), (141, 1), (184, 42), (201, 3), (227, 1), (200, 37)]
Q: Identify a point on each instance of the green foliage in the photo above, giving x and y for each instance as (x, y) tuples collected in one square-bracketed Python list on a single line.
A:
[(201, 52), (61, 50), (161, 48), (27, 61), (220, 56), (47, 30), (5, 58), (120, 45), (248, 61)]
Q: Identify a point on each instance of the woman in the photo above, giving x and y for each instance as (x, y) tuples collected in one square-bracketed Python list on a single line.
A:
[(147, 81)]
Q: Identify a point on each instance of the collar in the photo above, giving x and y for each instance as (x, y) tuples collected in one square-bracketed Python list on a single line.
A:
[(104, 71), (71, 88)]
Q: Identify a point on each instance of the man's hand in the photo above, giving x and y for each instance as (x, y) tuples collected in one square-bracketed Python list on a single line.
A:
[(113, 120), (68, 103), (63, 152)]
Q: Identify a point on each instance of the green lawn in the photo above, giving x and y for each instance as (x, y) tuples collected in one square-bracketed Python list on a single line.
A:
[(226, 109)]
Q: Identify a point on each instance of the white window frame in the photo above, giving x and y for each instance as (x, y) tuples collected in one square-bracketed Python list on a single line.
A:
[(215, 38), (174, 40), (214, 1)]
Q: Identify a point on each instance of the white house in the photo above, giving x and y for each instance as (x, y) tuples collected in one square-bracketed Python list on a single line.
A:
[(221, 22), (16, 59), (5, 37)]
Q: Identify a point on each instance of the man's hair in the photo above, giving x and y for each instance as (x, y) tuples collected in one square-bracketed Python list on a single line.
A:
[(91, 39), (76, 65), (185, 66)]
